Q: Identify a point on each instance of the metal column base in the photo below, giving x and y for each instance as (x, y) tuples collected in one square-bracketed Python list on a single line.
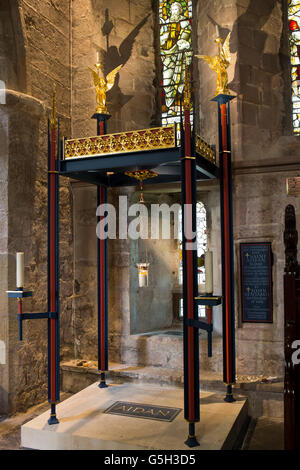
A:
[(192, 440), (53, 419), (229, 396), (102, 383)]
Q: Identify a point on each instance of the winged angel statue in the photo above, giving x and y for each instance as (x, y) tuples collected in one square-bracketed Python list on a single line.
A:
[(220, 64), (103, 85)]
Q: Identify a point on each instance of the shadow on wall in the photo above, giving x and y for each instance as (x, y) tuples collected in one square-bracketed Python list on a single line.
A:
[(12, 47), (112, 57), (254, 18)]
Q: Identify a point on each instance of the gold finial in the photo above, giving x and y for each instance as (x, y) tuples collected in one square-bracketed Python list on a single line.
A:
[(53, 115), (141, 176), (220, 64), (187, 100), (103, 85)]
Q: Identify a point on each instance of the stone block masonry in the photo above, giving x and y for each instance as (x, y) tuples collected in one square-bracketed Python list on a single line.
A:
[(35, 57)]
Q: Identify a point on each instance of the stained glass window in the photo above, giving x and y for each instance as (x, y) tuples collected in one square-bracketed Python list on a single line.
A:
[(294, 27), (175, 49), (201, 249)]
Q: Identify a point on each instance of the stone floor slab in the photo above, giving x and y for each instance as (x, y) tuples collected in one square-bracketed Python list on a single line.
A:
[(83, 425)]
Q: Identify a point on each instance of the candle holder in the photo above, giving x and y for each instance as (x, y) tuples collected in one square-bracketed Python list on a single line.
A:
[(20, 294), (52, 314), (209, 301)]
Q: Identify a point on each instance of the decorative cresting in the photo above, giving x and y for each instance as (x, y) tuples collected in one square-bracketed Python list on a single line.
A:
[(133, 141), (207, 151)]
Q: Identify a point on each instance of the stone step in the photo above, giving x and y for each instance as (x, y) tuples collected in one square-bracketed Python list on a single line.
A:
[(165, 349), (78, 374), (265, 395)]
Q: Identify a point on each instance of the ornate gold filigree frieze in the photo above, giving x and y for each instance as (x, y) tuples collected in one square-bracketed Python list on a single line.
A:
[(141, 175), (110, 144), (205, 150)]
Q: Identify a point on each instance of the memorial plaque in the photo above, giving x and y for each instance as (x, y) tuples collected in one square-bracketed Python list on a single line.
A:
[(139, 410), (256, 282)]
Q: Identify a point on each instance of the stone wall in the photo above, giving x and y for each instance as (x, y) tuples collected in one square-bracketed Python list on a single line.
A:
[(39, 40), (264, 149), (122, 32), (55, 41), (151, 307), (267, 155), (123, 311), (208, 15)]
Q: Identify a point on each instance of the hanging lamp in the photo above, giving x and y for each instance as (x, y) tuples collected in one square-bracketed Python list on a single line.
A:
[(143, 267)]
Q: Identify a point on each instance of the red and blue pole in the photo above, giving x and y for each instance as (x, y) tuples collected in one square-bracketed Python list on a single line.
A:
[(229, 359), (53, 271), (102, 273), (190, 276)]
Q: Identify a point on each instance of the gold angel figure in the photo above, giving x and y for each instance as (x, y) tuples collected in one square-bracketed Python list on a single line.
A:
[(220, 64), (103, 85)]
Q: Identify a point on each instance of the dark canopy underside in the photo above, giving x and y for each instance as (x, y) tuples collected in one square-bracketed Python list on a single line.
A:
[(167, 163)]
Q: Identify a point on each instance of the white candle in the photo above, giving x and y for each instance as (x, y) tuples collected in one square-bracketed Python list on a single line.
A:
[(20, 270), (143, 274), (217, 31), (98, 58), (209, 287)]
